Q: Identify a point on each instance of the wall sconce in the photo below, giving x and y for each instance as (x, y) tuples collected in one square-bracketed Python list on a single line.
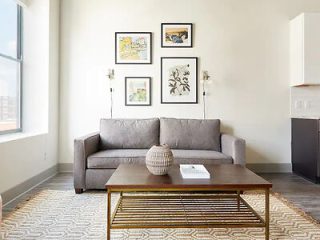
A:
[(205, 76), (110, 75), (205, 79)]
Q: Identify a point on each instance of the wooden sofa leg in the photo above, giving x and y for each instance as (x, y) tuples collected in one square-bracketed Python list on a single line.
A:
[(78, 190)]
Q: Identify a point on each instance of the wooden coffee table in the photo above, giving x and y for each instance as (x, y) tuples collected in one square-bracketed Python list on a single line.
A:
[(188, 203)]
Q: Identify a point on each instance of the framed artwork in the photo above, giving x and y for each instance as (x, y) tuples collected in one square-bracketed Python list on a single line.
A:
[(179, 80), (133, 47), (176, 35), (138, 91)]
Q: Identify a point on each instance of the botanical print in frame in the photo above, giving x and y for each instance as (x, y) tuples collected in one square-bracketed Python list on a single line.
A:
[(138, 91), (176, 35), (133, 47), (179, 80)]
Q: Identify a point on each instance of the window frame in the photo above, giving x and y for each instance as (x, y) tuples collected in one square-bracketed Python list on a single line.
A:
[(19, 60)]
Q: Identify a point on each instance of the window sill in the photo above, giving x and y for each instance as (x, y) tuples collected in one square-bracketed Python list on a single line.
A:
[(19, 136)]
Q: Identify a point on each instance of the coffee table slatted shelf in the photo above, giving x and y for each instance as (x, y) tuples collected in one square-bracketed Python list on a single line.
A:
[(184, 211)]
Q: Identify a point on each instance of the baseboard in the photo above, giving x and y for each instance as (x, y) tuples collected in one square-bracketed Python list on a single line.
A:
[(270, 167), (27, 185), (255, 167), (65, 167)]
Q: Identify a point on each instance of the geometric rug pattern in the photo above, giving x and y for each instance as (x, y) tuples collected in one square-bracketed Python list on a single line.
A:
[(53, 214)]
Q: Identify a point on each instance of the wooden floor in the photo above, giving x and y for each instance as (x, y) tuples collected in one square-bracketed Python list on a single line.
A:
[(299, 191), (302, 193)]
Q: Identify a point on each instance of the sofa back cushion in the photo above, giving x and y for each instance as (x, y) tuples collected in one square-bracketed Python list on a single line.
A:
[(190, 133), (129, 133)]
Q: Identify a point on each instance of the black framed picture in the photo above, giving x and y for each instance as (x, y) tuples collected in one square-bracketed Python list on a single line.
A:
[(176, 35), (133, 47), (179, 80), (138, 91)]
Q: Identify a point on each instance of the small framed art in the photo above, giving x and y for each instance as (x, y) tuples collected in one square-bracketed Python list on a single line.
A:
[(176, 35), (133, 47), (179, 80), (138, 91)]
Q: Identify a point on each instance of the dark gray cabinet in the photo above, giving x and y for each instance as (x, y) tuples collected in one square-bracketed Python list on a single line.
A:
[(305, 148)]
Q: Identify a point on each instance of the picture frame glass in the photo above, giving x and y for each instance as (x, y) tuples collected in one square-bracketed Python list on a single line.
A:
[(176, 35), (133, 48), (179, 80), (138, 91)]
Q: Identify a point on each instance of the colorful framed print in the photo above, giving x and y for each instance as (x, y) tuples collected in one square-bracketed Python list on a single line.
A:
[(179, 80), (176, 35), (133, 47), (138, 91)]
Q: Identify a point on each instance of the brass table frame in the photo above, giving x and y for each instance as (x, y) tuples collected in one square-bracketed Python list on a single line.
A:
[(185, 210)]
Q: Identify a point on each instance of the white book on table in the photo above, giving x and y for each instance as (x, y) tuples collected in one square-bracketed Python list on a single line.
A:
[(194, 171)]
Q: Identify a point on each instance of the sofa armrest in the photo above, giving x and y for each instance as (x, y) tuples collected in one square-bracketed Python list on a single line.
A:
[(234, 147), (83, 147)]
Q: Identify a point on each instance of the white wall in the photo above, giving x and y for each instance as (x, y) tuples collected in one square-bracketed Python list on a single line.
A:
[(243, 44), (36, 149)]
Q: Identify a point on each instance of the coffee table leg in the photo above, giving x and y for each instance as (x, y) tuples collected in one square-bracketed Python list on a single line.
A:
[(238, 200), (267, 220), (108, 215), (121, 194)]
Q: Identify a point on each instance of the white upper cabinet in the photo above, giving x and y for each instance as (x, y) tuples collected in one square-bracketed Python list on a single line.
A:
[(305, 50)]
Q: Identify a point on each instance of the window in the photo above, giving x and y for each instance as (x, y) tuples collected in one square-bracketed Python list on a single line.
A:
[(10, 66)]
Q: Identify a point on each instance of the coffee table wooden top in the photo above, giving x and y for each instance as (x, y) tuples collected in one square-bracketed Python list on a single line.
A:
[(223, 177)]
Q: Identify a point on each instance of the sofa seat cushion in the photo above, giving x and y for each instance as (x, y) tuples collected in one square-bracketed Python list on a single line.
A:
[(200, 157), (112, 158), (190, 134)]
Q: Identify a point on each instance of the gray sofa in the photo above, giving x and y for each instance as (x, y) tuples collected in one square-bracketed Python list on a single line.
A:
[(96, 156)]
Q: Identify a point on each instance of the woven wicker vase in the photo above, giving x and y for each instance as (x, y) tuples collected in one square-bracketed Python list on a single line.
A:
[(158, 160)]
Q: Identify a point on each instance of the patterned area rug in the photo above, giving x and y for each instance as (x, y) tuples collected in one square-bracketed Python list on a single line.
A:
[(65, 215)]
